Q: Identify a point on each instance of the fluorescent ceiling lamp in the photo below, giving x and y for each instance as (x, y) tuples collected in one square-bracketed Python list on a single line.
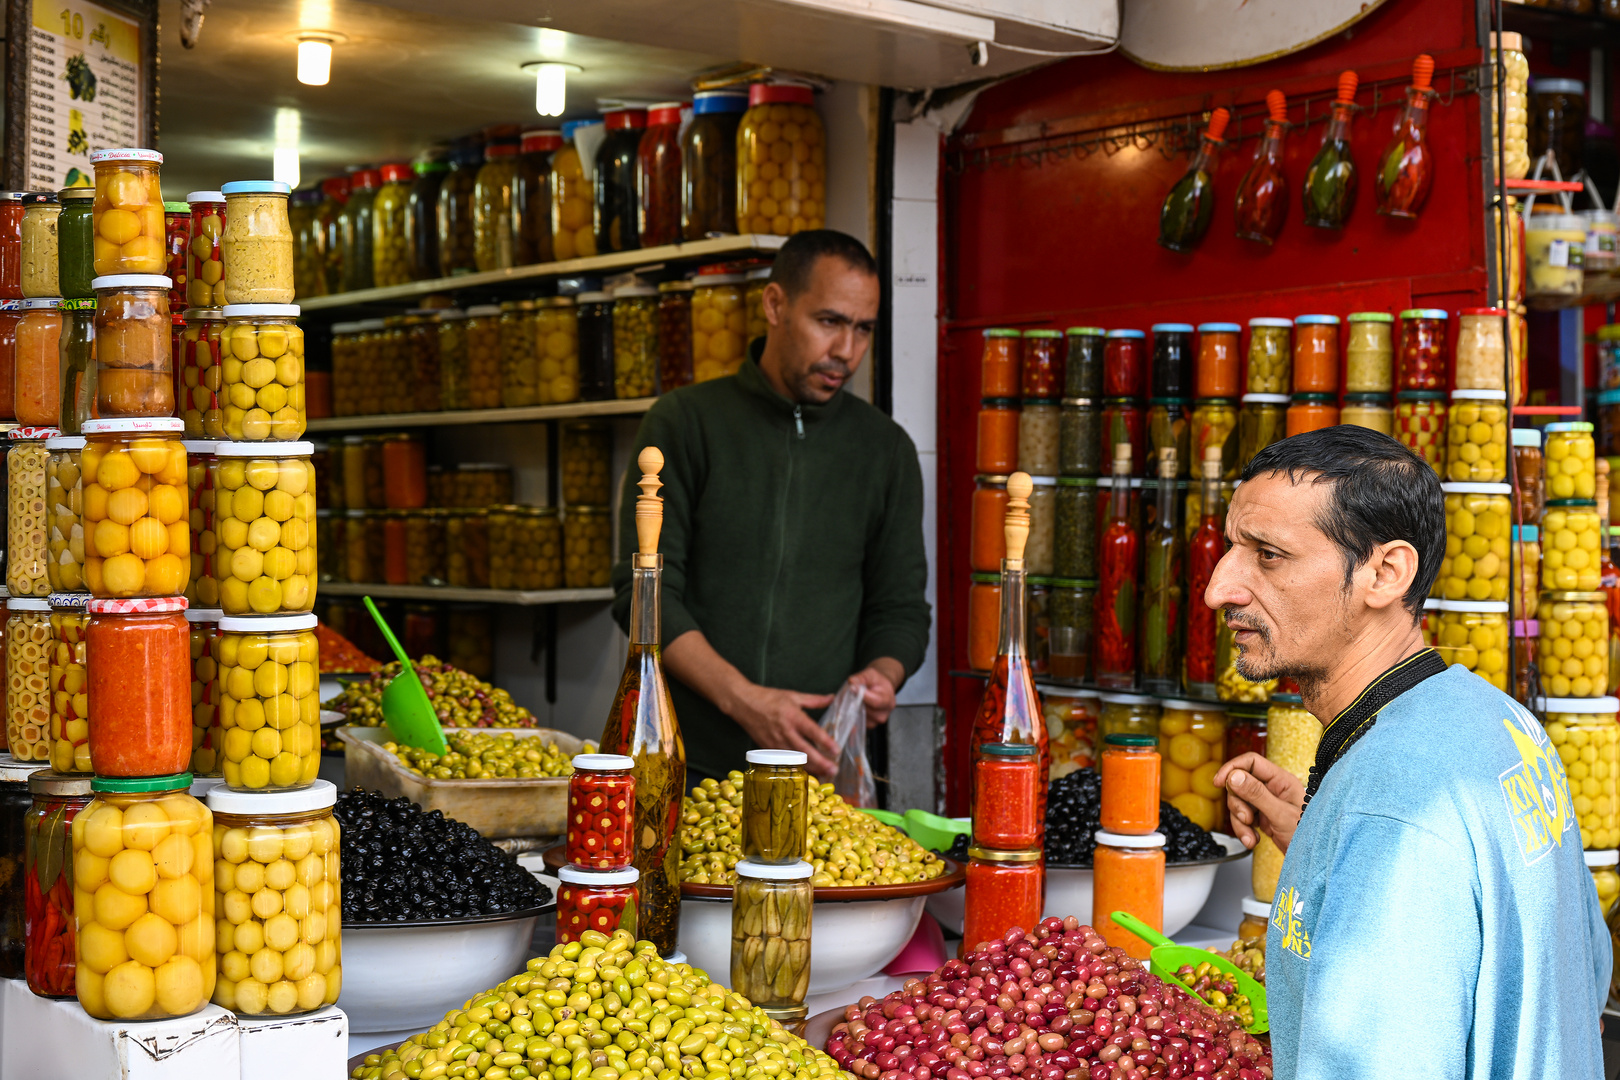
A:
[(314, 61), (285, 166), (551, 89)]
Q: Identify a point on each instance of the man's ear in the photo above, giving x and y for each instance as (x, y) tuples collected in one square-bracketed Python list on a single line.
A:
[(774, 301), (1394, 567)]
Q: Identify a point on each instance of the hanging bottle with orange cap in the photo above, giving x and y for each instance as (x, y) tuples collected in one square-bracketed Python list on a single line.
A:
[(1330, 182), (1407, 167), (1191, 203), (1262, 196)]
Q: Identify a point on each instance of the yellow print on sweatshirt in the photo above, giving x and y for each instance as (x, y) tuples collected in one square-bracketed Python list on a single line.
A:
[(1535, 788), (1288, 916)]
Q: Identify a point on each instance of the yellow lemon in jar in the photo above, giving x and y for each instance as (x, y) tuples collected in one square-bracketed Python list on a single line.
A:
[(116, 909), (177, 899), (116, 470), (119, 226), (100, 948), (148, 538), (130, 990), (179, 986), (151, 940)]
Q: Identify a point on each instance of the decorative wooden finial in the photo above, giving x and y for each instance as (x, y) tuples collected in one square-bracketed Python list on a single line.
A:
[(1212, 463), (649, 506), (1019, 486)]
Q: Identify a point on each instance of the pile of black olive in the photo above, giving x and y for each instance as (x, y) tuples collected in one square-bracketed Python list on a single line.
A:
[(401, 864), (1074, 814)]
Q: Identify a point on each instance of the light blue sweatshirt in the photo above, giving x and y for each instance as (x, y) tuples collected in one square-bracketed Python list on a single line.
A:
[(1435, 917)]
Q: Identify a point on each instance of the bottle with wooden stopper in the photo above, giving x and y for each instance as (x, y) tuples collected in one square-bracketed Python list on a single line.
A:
[(1204, 550), (642, 726), (1162, 586), (1010, 711), (1114, 626)]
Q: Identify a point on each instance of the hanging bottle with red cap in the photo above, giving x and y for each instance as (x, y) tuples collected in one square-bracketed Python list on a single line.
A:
[(1262, 196), (1407, 168), (1191, 203), (1330, 182)]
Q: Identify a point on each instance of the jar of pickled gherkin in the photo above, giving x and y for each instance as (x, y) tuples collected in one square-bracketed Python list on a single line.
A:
[(1476, 436), (390, 240), (425, 547), (1126, 714), (69, 687), (1525, 545), (1478, 519), (1571, 540), (75, 260), (269, 706), (595, 345), (202, 625), (674, 335), (466, 538), (719, 325), (1079, 437), (1370, 411), (1215, 424), (264, 516), (1262, 420), (1474, 634), (573, 224), (770, 933), (1586, 737), (494, 234), (587, 547), (1572, 649), (262, 372), (781, 157), (484, 357), (525, 548), (1420, 426), (1230, 684), (1270, 354), (1192, 747), (635, 341), (556, 342), (1168, 430), (1038, 437), (64, 496), (1569, 456), (1370, 353), (76, 370), (287, 961)]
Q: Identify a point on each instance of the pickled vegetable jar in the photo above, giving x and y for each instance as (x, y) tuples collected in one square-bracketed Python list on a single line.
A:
[(1083, 361), (64, 495), (346, 369), (601, 812), (265, 520), (203, 630), (1476, 436), (262, 366), (1608, 422), (28, 513), (998, 436), (1586, 736), (269, 706), (674, 335), (770, 933), (1292, 734), (76, 368), (587, 547), (467, 538), (134, 358), (137, 539), (276, 900), (39, 274), (1270, 355), (1125, 364), (1420, 425), (205, 258), (1192, 748), (709, 164), (1554, 247), (1075, 531), (1262, 420), (1570, 456), (635, 341), (1127, 714), (781, 153), (37, 363), (451, 347), (1215, 424), (494, 233), (1005, 890), (1309, 412), (69, 673), (1525, 544), (1421, 362), (1316, 354), (1128, 876), (615, 179), (1079, 437), (334, 194), (201, 374), (483, 357), (28, 678), (600, 900), (128, 212), (988, 544), (11, 216), (1572, 649), (573, 225), (309, 257), (422, 359), (390, 236), (1481, 349), (1071, 721), (595, 345), (257, 243), (1038, 438), (1041, 365), (525, 548), (1370, 353), (1478, 519), (138, 659), (531, 196), (75, 243), (1474, 634), (1218, 360), (658, 176), (1168, 430), (1370, 411), (520, 365), (719, 325), (1123, 422), (556, 342), (1605, 879), (47, 888), (984, 620), (1038, 551), (1172, 360), (1570, 547)]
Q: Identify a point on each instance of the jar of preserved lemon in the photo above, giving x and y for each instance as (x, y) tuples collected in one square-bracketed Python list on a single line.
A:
[(269, 705), (782, 164), (1475, 635), (587, 547), (556, 339), (719, 325), (264, 517), (130, 233), (1478, 518), (137, 539), (452, 347), (1476, 436), (1569, 456), (573, 205), (1586, 736), (1572, 649), (1570, 546), (635, 341), (1605, 879), (262, 372), (1192, 748)]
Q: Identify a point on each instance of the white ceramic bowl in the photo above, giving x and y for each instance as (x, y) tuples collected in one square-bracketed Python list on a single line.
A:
[(406, 976)]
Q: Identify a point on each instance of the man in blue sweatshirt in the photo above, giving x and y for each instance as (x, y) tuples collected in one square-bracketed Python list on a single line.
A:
[(1434, 917)]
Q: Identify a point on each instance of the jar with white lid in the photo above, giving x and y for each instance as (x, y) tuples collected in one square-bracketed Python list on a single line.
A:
[(1572, 649), (770, 932), (1478, 520), (269, 704), (134, 350), (600, 900), (262, 366), (1477, 436)]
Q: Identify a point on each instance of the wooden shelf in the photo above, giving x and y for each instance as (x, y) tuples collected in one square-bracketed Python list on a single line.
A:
[(495, 281), (1543, 24), (447, 594), (527, 414)]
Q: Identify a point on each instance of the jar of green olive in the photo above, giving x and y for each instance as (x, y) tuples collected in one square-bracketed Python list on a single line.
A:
[(776, 799)]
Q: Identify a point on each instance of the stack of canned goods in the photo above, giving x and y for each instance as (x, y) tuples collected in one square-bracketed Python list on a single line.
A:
[(597, 889), (773, 899)]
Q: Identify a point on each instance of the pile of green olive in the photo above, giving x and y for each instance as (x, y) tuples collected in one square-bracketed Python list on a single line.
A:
[(604, 1008), (845, 846), (487, 756), (462, 700)]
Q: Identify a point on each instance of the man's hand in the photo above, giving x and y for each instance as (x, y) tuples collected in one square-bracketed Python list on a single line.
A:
[(1263, 796), (879, 697), (776, 720)]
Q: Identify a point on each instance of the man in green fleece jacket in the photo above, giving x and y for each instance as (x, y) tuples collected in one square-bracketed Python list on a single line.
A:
[(792, 539)]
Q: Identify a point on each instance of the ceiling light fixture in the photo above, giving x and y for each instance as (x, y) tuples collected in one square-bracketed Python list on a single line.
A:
[(315, 59), (550, 85)]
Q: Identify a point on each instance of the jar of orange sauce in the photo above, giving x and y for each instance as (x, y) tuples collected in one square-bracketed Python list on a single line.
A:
[(998, 369), (984, 621), (1127, 875), (1310, 412), (1316, 354), (404, 460), (988, 520), (998, 435), (1130, 784)]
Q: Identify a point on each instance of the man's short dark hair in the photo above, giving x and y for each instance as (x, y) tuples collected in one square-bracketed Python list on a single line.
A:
[(797, 258), (1381, 492)]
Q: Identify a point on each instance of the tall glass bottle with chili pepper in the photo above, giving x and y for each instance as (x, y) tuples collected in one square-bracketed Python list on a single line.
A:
[(1204, 550), (1330, 182), (1406, 168), (1262, 195), (1115, 621), (642, 726), (1010, 711), (1162, 589), (1188, 208)]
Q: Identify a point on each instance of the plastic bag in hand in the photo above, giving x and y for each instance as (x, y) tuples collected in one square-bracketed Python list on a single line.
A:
[(845, 721)]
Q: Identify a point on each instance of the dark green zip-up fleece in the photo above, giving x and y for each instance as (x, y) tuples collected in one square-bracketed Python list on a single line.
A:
[(792, 539)]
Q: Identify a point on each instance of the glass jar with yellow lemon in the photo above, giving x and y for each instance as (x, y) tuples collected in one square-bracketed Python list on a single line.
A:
[(1192, 747), (1569, 461), (1478, 520), (1605, 878), (1570, 546), (137, 533), (719, 326), (1586, 736), (1572, 648), (1476, 436), (1474, 634), (781, 161), (573, 202)]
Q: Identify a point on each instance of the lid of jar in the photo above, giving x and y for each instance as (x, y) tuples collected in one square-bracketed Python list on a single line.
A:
[(491, 151), (594, 298), (1567, 596), (1130, 699), (13, 771), (1124, 739), (1265, 399), (1368, 397), (719, 101), (676, 286), (1282, 324), (1370, 317), (1477, 607), (125, 154), (999, 403), (1526, 436), (1042, 334), (45, 198), (1424, 313), (423, 312), (1499, 312), (1468, 487), (1609, 332), (131, 281), (793, 871), (261, 311), (1010, 750), (571, 126), (78, 303), (69, 601), (1073, 583), (1601, 858), (777, 757), (214, 314), (1078, 402), (665, 113), (1169, 401), (1126, 334), (265, 449), (1129, 840), (603, 762), (1605, 397), (1569, 425), (1085, 331), (450, 314), (624, 117), (139, 605), (1136, 481), (1528, 534), (1589, 705), (1219, 328), (1003, 332), (28, 603), (707, 277), (318, 796), (337, 328), (1511, 40), (12, 196), (1288, 699), (1077, 481), (131, 785), (368, 179), (1479, 395), (270, 187), (1572, 504), (1314, 399), (370, 325), (541, 139), (1537, 86), (65, 442), (578, 875), (134, 424), (24, 433), (193, 197), (168, 207), (266, 624), (985, 579), (76, 194), (1419, 395), (1194, 706), (483, 311), (1172, 328), (1526, 628), (782, 93), (1431, 604), (47, 782), (1258, 908), (1317, 320), (204, 615), (992, 855), (634, 290)]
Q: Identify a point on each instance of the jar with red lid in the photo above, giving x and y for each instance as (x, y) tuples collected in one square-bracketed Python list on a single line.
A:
[(988, 544), (1128, 876), (998, 367), (205, 262), (1125, 364), (49, 961), (1124, 421), (531, 201), (998, 436), (658, 175), (1219, 358), (1130, 783), (139, 657), (1042, 364), (984, 621), (11, 219), (177, 246), (1004, 889), (781, 161), (600, 900), (1309, 412), (601, 812), (1420, 425), (1316, 354), (615, 180), (1007, 779), (1420, 363)]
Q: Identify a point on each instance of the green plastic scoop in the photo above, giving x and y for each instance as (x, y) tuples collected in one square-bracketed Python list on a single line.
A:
[(1167, 957), (407, 712), (934, 832)]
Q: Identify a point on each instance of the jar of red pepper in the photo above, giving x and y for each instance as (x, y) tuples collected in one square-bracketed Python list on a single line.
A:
[(998, 366), (139, 660), (1007, 778), (48, 885), (177, 245), (600, 900), (1421, 362), (998, 435), (601, 812), (1004, 889), (1042, 365), (11, 218), (1316, 354), (1125, 364)]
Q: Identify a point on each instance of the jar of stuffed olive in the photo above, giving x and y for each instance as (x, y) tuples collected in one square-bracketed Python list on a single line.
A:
[(467, 543), (1214, 424), (1262, 420), (452, 331), (525, 548), (422, 359), (587, 547), (357, 561), (587, 463), (1420, 425), (1270, 355), (390, 242), (1075, 528), (399, 393), (493, 232), (425, 547), (635, 341)]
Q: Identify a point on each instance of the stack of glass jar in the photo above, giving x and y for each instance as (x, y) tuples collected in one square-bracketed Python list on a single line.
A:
[(1315, 373), (598, 890), (1369, 379), (1128, 867), (1061, 608), (1006, 871), (1420, 383), (1573, 642), (996, 458)]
